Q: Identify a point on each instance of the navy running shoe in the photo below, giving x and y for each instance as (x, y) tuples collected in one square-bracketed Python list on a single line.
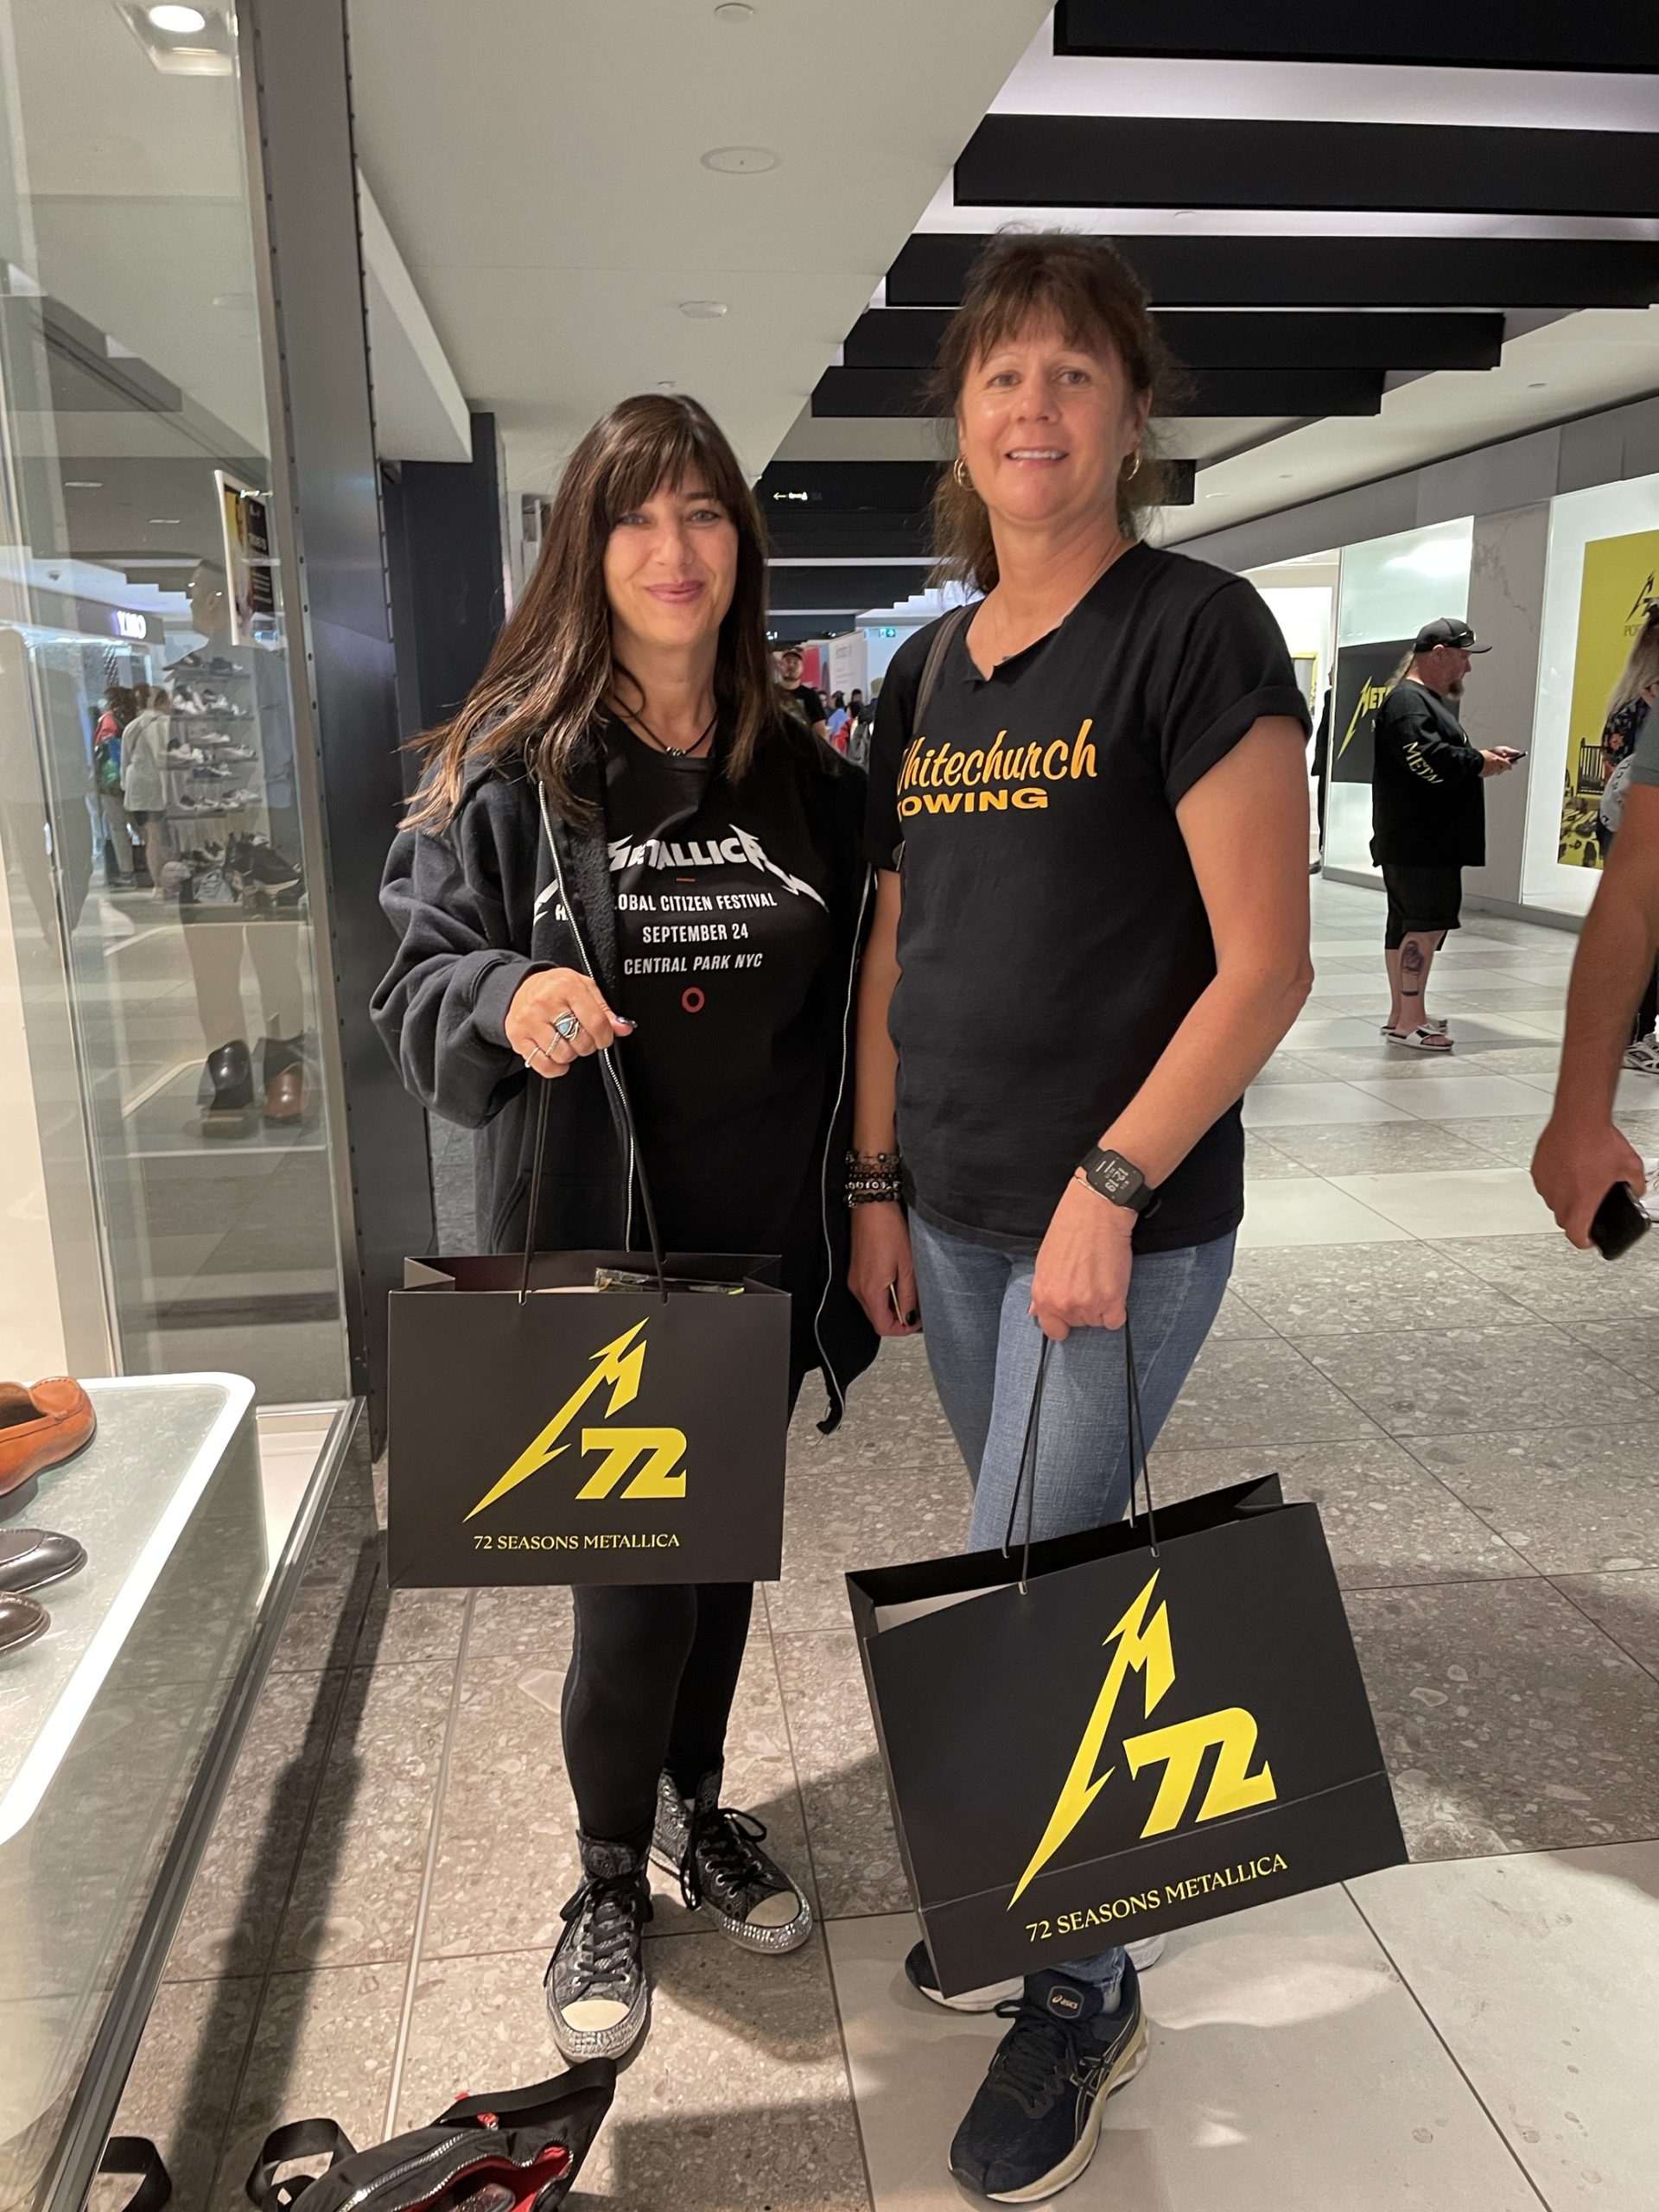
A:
[(1035, 2123)]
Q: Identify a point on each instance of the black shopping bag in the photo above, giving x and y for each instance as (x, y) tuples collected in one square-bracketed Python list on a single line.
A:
[(1116, 1733), (543, 1430)]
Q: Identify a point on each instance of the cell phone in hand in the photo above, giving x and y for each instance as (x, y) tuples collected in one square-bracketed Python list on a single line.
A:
[(1619, 1223)]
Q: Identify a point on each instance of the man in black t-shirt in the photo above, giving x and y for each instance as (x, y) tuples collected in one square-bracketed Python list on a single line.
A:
[(798, 699), (1428, 819)]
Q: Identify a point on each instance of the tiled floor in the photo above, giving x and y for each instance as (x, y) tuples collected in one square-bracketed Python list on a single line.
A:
[(1410, 1343)]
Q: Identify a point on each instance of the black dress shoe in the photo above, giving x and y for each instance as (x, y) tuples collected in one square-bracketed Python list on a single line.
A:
[(21, 1621), (32, 1557), (229, 1112)]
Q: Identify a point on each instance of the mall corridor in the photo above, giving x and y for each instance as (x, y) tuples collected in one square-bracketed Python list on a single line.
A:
[(1410, 1342)]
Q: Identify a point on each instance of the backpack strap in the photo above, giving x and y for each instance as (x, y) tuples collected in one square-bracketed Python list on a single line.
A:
[(137, 2158), (300, 2138)]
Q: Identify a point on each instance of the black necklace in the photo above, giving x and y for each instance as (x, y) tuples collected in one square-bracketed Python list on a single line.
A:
[(674, 752)]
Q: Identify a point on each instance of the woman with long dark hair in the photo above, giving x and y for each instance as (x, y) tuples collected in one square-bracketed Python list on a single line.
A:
[(621, 774), (1092, 835)]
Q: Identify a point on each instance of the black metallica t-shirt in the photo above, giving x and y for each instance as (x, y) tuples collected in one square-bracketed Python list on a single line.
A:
[(724, 941), (1053, 936)]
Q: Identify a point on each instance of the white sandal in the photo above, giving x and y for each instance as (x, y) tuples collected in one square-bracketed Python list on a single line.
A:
[(1425, 1039), (1433, 1021)]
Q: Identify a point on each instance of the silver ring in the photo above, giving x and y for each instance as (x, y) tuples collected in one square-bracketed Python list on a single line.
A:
[(531, 1055), (566, 1027)]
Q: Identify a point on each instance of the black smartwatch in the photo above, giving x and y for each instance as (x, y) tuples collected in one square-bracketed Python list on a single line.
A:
[(1116, 1179)]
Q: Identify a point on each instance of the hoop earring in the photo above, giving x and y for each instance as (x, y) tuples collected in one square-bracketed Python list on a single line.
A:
[(1133, 468), (960, 472)]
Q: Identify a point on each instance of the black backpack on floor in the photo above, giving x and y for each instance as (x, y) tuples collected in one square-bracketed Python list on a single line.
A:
[(518, 2152)]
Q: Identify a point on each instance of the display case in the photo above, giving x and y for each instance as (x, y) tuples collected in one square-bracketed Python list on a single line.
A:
[(118, 1730)]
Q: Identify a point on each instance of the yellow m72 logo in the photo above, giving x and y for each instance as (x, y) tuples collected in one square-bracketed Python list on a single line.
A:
[(1143, 1645), (661, 1450)]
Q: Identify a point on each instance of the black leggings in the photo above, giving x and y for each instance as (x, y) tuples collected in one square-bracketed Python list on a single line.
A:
[(651, 1687)]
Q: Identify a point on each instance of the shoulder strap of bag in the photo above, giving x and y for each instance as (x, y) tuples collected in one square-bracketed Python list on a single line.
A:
[(136, 2158), (300, 2138), (943, 637), (956, 621)]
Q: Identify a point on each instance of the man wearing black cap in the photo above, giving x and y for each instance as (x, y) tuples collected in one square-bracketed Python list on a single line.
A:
[(1428, 819)]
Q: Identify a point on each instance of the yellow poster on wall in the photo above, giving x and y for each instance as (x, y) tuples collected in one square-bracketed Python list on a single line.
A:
[(1621, 574)]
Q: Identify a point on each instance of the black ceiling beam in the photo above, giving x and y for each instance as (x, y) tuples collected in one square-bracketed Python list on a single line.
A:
[(1616, 34), (794, 629), (875, 392), (1233, 338), (1331, 272), (789, 589), (1136, 160), (890, 487)]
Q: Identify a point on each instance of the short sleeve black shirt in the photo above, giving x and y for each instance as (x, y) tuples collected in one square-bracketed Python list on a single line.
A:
[(1053, 936), (1429, 806), (726, 948)]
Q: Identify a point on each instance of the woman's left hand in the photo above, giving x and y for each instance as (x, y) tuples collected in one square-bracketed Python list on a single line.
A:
[(1081, 1279)]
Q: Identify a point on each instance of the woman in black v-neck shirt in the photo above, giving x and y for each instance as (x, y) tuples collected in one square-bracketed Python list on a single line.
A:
[(1090, 933), (622, 821)]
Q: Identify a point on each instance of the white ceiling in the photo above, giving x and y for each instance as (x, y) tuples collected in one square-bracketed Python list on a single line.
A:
[(539, 168)]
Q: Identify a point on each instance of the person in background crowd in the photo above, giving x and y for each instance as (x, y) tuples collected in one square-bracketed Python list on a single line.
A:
[(862, 711), (120, 707), (1428, 820), (628, 717), (836, 722), (799, 699), (1582, 1152), (144, 771), (1627, 716), (1097, 958)]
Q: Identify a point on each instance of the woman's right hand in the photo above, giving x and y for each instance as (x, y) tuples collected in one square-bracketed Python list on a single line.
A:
[(546, 998), (882, 1276)]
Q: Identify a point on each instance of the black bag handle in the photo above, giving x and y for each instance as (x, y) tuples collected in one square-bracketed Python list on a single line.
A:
[(1026, 1475), (136, 2158), (608, 1070), (300, 2138)]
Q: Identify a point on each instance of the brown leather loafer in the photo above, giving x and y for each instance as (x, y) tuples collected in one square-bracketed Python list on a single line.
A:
[(285, 1097), (30, 1559), (40, 1428), (20, 1622)]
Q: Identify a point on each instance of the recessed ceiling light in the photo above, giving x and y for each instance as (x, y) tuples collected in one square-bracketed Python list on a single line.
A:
[(667, 383), (1212, 495), (83, 483), (1539, 386), (740, 160), (734, 11), (165, 521), (703, 310), (177, 22)]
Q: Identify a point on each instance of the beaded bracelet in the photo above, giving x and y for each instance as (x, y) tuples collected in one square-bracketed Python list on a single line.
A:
[(873, 1179)]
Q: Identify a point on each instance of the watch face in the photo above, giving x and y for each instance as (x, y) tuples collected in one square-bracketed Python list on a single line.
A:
[(1114, 1175)]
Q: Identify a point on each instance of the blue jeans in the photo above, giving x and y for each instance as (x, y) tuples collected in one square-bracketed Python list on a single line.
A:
[(982, 1346)]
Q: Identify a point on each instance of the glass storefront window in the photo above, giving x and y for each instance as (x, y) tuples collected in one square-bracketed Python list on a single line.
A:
[(1389, 587), (154, 909)]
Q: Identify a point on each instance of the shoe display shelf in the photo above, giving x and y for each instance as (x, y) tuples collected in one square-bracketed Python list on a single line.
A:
[(120, 1729)]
